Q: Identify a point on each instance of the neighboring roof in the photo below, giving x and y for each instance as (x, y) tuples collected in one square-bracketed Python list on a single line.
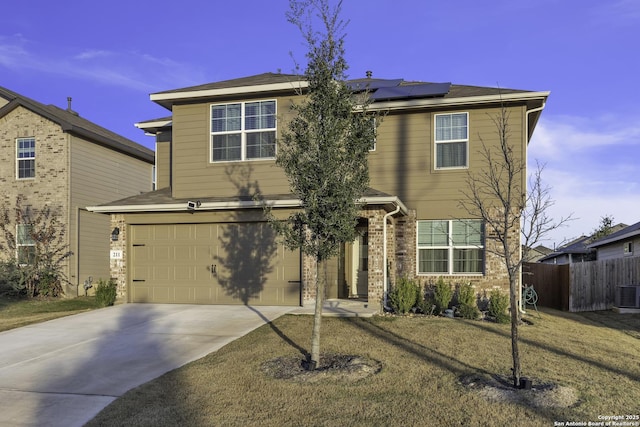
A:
[(162, 201), (393, 90), (577, 246), (625, 233), (583, 244), (72, 123)]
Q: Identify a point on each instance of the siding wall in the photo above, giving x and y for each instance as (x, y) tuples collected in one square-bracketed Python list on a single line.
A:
[(195, 176), (98, 175), (616, 250), (163, 164), (403, 163)]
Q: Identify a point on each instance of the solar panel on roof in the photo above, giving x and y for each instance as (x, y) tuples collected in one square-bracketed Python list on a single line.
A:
[(372, 84), (412, 91)]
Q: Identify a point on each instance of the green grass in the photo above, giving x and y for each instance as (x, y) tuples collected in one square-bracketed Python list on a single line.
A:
[(15, 313), (423, 359)]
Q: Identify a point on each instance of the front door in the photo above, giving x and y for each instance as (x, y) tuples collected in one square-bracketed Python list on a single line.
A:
[(357, 265)]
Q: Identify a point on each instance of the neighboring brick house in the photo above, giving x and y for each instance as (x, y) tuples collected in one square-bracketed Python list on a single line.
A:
[(202, 237), (53, 157)]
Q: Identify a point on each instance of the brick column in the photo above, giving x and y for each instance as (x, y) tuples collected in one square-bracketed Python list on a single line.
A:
[(118, 266)]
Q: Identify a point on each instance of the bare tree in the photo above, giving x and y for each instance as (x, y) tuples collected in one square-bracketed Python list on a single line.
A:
[(36, 238), (514, 217)]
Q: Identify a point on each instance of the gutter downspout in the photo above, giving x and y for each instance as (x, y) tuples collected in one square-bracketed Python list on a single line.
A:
[(526, 152), (384, 256)]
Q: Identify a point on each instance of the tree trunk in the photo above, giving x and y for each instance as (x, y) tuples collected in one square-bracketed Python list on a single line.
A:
[(317, 320), (515, 319)]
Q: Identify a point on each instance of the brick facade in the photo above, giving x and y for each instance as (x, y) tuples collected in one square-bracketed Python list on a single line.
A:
[(50, 185)]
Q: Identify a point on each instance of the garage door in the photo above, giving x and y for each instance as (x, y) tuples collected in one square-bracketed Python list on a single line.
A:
[(238, 263)]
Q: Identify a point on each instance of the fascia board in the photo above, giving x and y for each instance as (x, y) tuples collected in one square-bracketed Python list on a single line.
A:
[(273, 87), (156, 124), (450, 102), (383, 200), (615, 239), (248, 204)]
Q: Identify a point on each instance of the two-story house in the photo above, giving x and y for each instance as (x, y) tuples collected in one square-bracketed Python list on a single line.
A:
[(53, 157), (202, 236)]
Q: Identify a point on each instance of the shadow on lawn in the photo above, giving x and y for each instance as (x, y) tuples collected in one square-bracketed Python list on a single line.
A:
[(558, 351), (445, 361), (279, 332)]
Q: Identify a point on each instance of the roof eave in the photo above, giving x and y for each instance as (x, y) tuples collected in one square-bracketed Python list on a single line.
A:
[(468, 100), (614, 239), (229, 205), (168, 99)]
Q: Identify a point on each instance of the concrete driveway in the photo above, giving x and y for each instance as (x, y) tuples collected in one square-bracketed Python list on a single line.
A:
[(63, 372)]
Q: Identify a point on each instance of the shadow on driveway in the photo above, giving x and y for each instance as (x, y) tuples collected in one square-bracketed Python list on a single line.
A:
[(63, 372)]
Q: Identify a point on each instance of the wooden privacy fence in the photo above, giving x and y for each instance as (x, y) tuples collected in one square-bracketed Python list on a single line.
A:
[(584, 286)]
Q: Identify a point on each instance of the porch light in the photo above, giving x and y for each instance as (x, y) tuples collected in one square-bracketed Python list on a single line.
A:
[(114, 234)]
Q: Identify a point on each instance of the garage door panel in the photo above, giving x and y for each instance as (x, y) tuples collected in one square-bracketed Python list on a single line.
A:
[(212, 264)]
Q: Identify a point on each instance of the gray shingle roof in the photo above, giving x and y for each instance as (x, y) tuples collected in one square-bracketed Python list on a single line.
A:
[(72, 123), (456, 91), (164, 197), (625, 233), (259, 79)]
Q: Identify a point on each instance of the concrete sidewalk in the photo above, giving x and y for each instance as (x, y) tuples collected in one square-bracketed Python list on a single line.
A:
[(63, 372)]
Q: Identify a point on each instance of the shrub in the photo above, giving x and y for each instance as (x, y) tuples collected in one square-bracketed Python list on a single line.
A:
[(498, 304), (467, 306), (49, 284), (106, 293), (404, 295), (442, 295), (10, 279)]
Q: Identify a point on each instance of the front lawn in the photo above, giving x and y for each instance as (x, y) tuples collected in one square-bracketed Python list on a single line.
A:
[(16, 312), (426, 366)]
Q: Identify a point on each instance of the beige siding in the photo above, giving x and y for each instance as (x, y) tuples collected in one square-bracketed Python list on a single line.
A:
[(93, 248), (403, 162), (195, 176), (163, 164), (98, 176)]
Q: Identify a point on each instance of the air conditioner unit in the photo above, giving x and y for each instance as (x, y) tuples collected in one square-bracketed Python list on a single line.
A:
[(628, 296)]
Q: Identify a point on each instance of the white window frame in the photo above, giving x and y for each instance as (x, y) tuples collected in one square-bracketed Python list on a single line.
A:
[(449, 141), (450, 248), (627, 248), (242, 131), (20, 244), (374, 121), (22, 159)]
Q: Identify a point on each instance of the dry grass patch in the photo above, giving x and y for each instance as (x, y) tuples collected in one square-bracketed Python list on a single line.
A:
[(15, 313), (423, 364)]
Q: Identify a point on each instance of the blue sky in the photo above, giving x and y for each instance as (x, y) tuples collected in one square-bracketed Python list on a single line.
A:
[(109, 56)]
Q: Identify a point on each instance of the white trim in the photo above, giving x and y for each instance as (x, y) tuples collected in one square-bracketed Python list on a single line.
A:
[(243, 131), (450, 248), (155, 124), (464, 101), (247, 204), (238, 90), (449, 141), (19, 159)]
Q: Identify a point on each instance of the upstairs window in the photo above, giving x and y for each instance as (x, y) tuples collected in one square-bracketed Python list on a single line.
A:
[(25, 244), (26, 158), (452, 140), (243, 131), (450, 247)]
